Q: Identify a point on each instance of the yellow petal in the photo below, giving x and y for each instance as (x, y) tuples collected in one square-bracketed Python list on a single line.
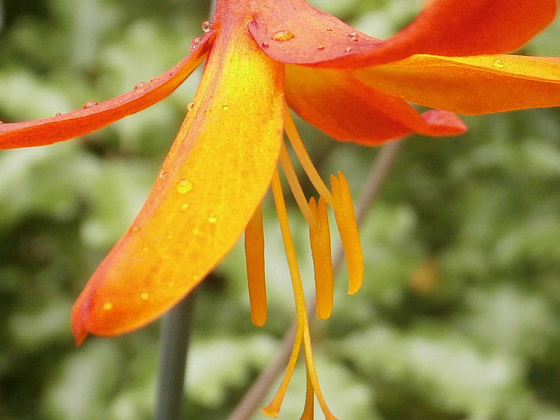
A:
[(214, 177), (470, 85)]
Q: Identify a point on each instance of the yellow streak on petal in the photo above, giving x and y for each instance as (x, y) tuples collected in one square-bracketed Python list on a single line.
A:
[(228, 157), (254, 253), (320, 238), (348, 229)]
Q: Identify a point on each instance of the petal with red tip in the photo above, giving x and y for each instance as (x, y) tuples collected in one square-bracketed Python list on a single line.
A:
[(82, 121), (349, 110), (214, 177), (470, 85), (444, 27)]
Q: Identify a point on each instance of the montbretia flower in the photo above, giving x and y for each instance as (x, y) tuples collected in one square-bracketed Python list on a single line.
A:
[(263, 56)]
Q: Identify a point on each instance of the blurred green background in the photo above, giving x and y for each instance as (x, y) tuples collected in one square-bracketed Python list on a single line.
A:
[(459, 316)]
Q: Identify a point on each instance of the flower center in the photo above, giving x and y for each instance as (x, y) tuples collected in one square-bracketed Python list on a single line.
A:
[(316, 215)]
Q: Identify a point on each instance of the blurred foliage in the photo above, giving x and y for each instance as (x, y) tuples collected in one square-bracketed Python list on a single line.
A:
[(459, 315)]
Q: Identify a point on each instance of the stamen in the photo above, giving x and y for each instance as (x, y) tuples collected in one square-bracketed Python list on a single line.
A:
[(309, 410), (273, 409), (320, 238), (295, 186), (301, 314), (348, 229), (303, 156), (254, 256)]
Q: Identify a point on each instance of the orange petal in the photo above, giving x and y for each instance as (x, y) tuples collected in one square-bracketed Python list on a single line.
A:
[(292, 31), (214, 177), (445, 27), (349, 110), (96, 115), (471, 85)]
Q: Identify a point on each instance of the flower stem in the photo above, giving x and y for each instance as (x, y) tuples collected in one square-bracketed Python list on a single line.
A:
[(174, 345), (373, 184)]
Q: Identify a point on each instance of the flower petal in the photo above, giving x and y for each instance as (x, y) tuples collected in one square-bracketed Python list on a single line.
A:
[(471, 85), (349, 110), (96, 115), (445, 27), (214, 177)]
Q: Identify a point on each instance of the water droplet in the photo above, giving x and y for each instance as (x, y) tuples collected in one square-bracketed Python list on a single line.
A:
[(184, 207), (140, 85), (161, 173), (190, 106), (207, 111), (212, 219), (498, 63), (107, 306), (58, 114), (89, 104), (196, 231), (348, 49), (321, 47), (329, 29), (283, 35), (225, 106), (144, 296), (134, 229), (184, 186), (195, 43), (196, 277), (265, 45), (353, 36), (206, 25)]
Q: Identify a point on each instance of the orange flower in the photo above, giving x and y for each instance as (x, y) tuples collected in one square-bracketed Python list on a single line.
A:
[(261, 57)]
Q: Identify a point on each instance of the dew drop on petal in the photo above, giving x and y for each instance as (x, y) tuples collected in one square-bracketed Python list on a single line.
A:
[(321, 47), (190, 106), (144, 296), (264, 45), (161, 174), (206, 25), (89, 104), (134, 229), (225, 106), (212, 219), (184, 186), (107, 306), (348, 49), (207, 111), (195, 43), (283, 35), (140, 85), (353, 36), (184, 207), (498, 64), (196, 231), (58, 114)]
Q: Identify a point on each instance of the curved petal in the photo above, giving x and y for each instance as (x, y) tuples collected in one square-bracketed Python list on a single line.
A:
[(445, 27), (471, 85), (215, 175), (96, 115), (349, 110)]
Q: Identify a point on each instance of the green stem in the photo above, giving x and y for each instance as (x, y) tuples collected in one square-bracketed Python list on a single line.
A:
[(174, 345)]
